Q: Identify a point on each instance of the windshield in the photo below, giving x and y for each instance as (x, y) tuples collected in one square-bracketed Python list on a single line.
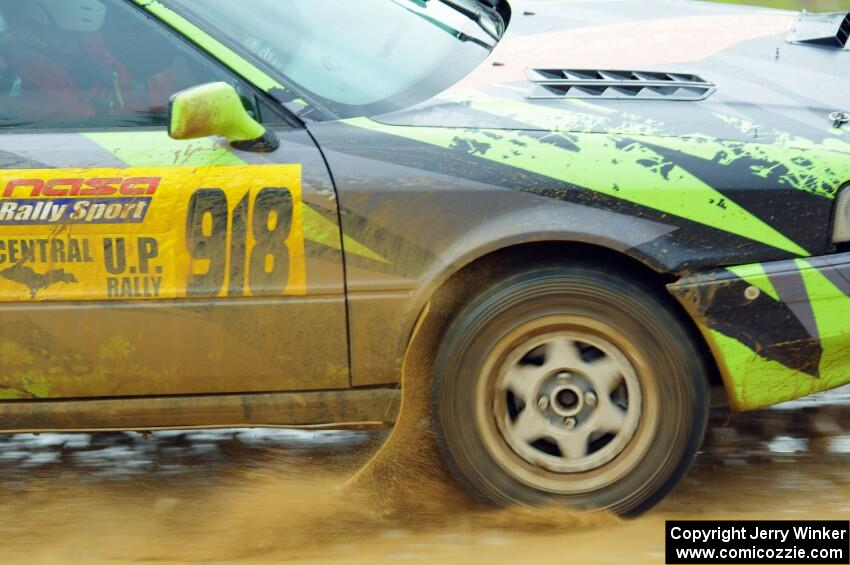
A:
[(356, 57)]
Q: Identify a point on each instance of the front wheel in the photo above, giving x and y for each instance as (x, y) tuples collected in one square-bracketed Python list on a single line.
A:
[(569, 385)]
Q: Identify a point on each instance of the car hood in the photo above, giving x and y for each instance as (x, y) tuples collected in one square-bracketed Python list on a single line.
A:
[(766, 88)]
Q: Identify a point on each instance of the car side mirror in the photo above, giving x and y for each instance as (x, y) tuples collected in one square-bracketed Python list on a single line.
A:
[(216, 109)]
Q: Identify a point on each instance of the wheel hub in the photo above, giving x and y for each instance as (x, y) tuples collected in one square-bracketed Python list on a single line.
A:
[(567, 402), (565, 396)]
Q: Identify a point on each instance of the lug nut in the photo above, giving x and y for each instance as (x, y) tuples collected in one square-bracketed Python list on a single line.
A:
[(570, 423), (565, 376), (590, 399), (543, 403)]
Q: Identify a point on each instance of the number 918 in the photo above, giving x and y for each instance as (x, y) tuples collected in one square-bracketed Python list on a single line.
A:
[(208, 224)]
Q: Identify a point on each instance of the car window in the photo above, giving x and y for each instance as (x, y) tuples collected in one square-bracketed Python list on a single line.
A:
[(355, 58), (93, 63)]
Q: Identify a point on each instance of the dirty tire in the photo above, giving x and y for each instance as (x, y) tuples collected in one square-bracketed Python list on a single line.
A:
[(569, 385)]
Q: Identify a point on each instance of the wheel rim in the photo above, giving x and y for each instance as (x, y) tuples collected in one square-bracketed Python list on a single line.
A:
[(561, 405)]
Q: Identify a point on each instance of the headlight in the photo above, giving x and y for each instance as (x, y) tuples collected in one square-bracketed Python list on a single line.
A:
[(841, 225)]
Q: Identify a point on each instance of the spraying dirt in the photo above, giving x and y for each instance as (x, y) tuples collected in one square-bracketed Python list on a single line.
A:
[(268, 511), (248, 496), (269, 498)]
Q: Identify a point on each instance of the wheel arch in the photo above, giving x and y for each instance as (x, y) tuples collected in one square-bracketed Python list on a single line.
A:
[(436, 303)]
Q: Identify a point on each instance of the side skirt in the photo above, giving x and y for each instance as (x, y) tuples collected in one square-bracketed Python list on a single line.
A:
[(354, 408)]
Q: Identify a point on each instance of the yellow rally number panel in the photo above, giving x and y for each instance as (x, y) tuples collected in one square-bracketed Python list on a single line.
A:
[(151, 233)]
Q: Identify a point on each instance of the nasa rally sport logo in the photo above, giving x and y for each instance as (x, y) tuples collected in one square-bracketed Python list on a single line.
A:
[(36, 201)]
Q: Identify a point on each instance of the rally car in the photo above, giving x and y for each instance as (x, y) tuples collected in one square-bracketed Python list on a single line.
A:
[(582, 216)]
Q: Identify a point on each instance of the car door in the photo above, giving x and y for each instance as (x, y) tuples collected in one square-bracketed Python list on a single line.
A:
[(132, 264)]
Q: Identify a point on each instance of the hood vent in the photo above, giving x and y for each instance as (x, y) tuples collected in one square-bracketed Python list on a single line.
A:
[(821, 30), (617, 85)]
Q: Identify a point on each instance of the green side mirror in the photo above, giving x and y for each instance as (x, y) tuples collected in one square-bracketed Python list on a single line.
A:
[(216, 109)]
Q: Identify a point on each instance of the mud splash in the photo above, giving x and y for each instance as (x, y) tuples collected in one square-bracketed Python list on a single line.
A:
[(252, 516), (300, 497), (289, 501), (272, 511)]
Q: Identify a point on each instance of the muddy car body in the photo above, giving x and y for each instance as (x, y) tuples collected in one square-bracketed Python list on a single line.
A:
[(590, 231)]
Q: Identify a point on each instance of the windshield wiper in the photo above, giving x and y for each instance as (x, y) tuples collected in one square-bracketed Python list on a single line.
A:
[(461, 36), (474, 15)]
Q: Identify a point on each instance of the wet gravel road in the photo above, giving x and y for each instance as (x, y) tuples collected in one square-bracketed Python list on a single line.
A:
[(172, 496)]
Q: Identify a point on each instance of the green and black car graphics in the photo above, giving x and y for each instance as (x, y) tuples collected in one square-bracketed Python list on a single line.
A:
[(592, 212)]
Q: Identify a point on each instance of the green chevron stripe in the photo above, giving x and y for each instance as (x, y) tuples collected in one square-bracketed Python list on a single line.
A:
[(819, 168), (323, 231), (754, 381), (757, 382), (755, 275), (155, 149), (627, 171), (831, 308)]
